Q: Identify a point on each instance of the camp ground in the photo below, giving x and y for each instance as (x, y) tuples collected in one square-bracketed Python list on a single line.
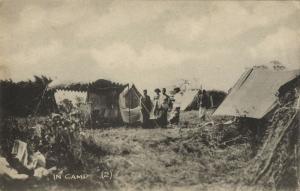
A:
[(256, 125), (122, 95), (116, 104)]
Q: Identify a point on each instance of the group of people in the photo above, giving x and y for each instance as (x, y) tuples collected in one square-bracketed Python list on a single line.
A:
[(156, 109), (165, 109)]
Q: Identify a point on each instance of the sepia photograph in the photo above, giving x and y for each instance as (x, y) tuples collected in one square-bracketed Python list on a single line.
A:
[(149, 95)]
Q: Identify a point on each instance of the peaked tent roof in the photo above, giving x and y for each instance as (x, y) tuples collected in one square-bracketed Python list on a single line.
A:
[(134, 114), (254, 94), (185, 99)]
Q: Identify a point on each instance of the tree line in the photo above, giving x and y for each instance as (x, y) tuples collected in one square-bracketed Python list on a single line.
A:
[(32, 97), (25, 97)]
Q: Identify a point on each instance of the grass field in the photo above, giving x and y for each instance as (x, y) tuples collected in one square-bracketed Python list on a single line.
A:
[(184, 157), (168, 159)]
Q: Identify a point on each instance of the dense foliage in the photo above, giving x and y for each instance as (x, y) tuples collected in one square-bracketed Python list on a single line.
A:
[(32, 97), (96, 86), (24, 98)]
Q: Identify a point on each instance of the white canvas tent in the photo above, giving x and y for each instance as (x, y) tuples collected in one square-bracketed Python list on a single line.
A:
[(129, 103), (185, 99), (254, 94)]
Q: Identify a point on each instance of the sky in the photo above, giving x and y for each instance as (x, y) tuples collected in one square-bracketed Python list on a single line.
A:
[(148, 43)]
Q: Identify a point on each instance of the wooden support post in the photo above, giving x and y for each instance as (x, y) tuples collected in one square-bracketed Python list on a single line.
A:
[(129, 105)]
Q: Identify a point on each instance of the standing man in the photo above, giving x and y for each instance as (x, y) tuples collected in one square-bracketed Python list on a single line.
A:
[(157, 106), (146, 105), (166, 97), (165, 100)]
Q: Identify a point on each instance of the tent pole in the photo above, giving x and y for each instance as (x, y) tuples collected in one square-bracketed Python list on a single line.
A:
[(38, 105), (129, 105), (89, 107)]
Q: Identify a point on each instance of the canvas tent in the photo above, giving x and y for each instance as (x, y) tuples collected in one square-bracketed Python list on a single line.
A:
[(185, 98), (254, 94), (129, 103)]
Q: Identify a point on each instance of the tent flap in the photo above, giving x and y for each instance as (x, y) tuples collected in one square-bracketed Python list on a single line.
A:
[(129, 102)]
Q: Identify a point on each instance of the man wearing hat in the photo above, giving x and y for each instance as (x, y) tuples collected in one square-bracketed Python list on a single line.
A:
[(146, 105)]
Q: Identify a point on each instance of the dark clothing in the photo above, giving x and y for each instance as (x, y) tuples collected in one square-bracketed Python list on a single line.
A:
[(146, 103), (205, 101), (146, 109), (16, 164), (163, 120), (146, 119)]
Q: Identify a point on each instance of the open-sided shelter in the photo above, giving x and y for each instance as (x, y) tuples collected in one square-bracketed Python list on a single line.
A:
[(106, 102)]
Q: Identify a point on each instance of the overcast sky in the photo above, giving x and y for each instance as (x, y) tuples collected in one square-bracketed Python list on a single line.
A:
[(149, 43)]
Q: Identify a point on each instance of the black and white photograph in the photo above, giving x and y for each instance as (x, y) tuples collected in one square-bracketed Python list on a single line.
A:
[(149, 95)]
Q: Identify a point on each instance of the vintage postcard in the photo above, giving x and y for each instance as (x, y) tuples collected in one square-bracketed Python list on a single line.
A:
[(140, 95)]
